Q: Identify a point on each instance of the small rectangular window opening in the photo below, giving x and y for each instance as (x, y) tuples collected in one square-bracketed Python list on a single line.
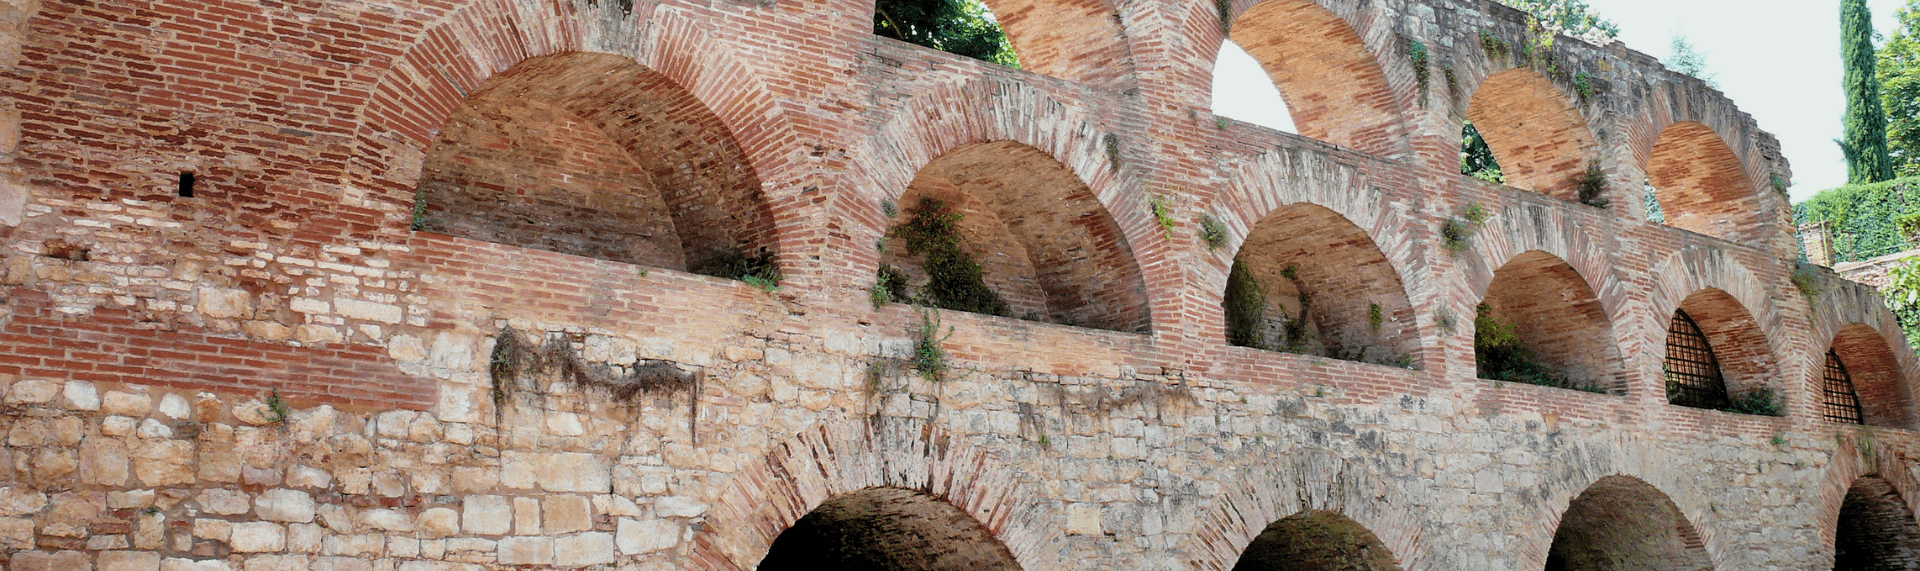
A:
[(186, 185)]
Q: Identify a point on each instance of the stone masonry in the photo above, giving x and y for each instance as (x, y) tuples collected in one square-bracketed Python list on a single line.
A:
[(429, 302)]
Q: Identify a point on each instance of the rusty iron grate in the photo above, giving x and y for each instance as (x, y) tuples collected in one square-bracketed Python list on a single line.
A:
[(1840, 403), (1693, 374)]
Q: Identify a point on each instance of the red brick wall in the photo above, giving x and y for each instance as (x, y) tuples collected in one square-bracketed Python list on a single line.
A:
[(1536, 132), (1559, 318)]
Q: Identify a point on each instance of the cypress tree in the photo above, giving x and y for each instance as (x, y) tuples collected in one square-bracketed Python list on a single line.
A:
[(1865, 144)]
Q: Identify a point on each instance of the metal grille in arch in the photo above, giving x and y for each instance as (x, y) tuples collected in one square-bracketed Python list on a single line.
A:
[(1693, 374), (1839, 403)]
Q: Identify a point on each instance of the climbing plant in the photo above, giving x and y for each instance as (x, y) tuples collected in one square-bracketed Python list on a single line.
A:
[(954, 280)]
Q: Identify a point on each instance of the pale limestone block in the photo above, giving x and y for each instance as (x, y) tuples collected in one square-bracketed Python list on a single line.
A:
[(565, 514), (487, 515), (403, 547), (150, 531), (647, 536), (304, 476), (151, 428), (129, 561), (359, 546), (224, 303), (440, 522), (179, 564), (33, 391), (224, 502), (130, 499), (220, 463), (556, 472), (615, 505), (469, 479), (16, 533), (341, 564), (284, 505), (163, 463), (82, 395), (276, 563), (175, 407), (407, 349), (212, 529), (679, 506), (386, 520), (103, 461), (368, 310), (126, 404), (594, 548), (433, 548), (1083, 519), (525, 551), (304, 537), (526, 516), (44, 561), (258, 537), (117, 426)]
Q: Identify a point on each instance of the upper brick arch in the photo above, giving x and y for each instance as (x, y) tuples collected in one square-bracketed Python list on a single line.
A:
[(1322, 57), (1557, 317), (1700, 183), (1080, 40), (844, 457), (452, 60), (1734, 310), (1885, 393), (1536, 131), (1524, 227), (1708, 147)]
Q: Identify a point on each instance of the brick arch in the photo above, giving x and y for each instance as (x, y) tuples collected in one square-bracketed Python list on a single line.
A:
[(1884, 391), (1285, 179), (1080, 40), (842, 457), (1722, 287), (1621, 521), (595, 155), (1316, 540), (1559, 318), (888, 528), (1521, 228), (1257, 496), (949, 117), (1321, 54), (1536, 131), (454, 58), (1701, 184), (1044, 242), (1858, 461), (1308, 258)]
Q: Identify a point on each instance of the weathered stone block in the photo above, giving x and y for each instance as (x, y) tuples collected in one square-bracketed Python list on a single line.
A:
[(566, 514), (584, 549), (525, 551), (284, 505), (129, 561), (258, 537), (487, 515), (647, 536)]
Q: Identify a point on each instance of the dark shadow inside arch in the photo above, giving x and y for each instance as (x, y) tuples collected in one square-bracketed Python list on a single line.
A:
[(1542, 324), (1862, 382), (1316, 541), (1622, 524), (1717, 357), (1044, 245), (1309, 281), (887, 529), (1876, 530), (1701, 185), (1333, 87), (593, 155), (1536, 133)]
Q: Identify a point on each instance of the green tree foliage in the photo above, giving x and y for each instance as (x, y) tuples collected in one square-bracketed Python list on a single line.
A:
[(1865, 217), (1903, 297), (1685, 59), (1899, 70), (1865, 144), (1476, 158), (962, 27), (1571, 17)]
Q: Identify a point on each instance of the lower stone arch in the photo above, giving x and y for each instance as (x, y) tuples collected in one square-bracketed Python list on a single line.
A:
[(1875, 529), (882, 529), (835, 459), (1316, 540), (1317, 488), (1622, 522)]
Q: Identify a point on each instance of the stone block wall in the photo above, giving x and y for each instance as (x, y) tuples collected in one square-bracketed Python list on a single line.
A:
[(283, 371)]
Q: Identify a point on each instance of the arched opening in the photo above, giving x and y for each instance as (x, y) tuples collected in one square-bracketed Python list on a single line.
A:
[(1876, 531), (1316, 541), (1332, 84), (1718, 358), (1621, 523), (1542, 324), (593, 155), (1040, 245), (1700, 184), (1861, 371), (1079, 40), (1309, 281), (887, 529), (1241, 90), (1536, 132)]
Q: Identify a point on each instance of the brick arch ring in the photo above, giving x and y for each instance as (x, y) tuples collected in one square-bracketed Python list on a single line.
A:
[(1513, 232), (1261, 494), (845, 456), (1849, 465), (413, 97), (1281, 178), (1609, 457), (1694, 269)]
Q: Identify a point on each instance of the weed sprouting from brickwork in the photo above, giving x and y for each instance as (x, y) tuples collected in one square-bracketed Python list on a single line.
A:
[(1225, 7), (1453, 82), (929, 357), (1213, 232), (1456, 233), (1501, 356), (1375, 316), (1495, 47), (1113, 149), (1591, 186), (1162, 208), (1807, 280), (277, 409), (1583, 85), (954, 280), (1759, 401), (1779, 183), (1417, 56), (1246, 307), (757, 270), (419, 210), (889, 285)]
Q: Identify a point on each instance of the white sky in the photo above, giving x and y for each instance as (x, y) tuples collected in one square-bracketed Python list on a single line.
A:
[(1779, 60)]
